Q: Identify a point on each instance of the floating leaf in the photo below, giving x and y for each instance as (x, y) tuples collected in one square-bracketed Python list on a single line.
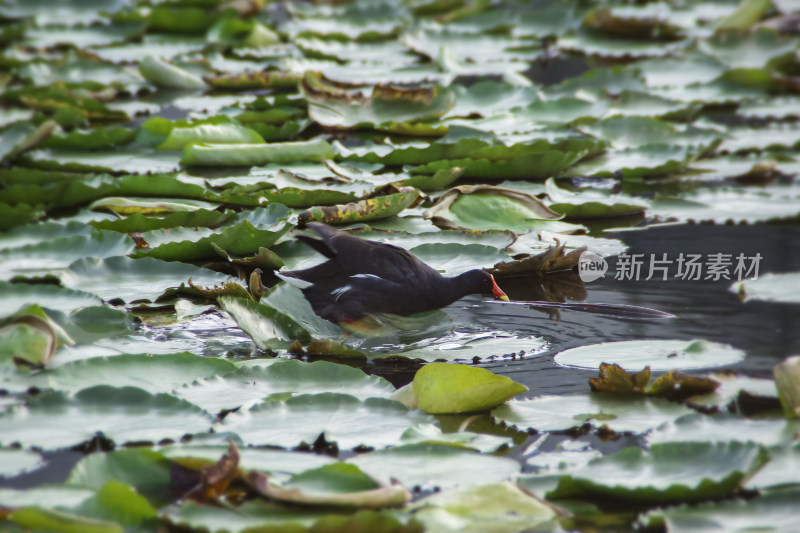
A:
[(591, 204), (340, 418), (669, 472), (658, 355), (159, 373), (128, 414), (769, 287), (433, 465), (255, 154), (372, 208), (338, 484), (249, 386), (449, 388), (386, 107), (167, 75), (787, 380), (771, 511), (483, 207), (560, 413)]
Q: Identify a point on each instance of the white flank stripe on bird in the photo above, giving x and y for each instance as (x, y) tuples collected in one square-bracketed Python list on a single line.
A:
[(341, 290), (366, 276)]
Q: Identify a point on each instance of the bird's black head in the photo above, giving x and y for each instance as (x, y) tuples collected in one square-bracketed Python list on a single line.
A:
[(483, 282)]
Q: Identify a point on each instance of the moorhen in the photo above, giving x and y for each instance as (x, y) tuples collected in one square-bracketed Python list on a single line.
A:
[(362, 279)]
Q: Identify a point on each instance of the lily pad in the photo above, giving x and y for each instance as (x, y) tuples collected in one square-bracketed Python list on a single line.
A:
[(449, 388), (386, 107), (459, 346), (493, 506), (111, 279), (161, 373), (669, 472), (340, 418), (373, 208), (770, 287), (483, 207), (255, 154), (773, 511), (54, 420), (431, 465), (658, 355), (250, 386), (560, 413), (337, 484), (591, 204), (50, 257)]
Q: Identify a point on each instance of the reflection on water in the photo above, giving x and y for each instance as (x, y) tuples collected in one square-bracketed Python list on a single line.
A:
[(706, 309)]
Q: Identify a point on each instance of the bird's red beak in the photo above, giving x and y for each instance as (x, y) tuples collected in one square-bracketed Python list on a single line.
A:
[(497, 291)]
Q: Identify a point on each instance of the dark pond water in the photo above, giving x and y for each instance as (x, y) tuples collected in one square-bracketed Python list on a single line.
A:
[(767, 332)]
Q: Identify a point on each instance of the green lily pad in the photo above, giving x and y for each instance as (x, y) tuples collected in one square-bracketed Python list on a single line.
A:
[(14, 296), (160, 373), (249, 386), (747, 50), (261, 514), (130, 158), (483, 207), (143, 468), (460, 346), (452, 259), (218, 130), (244, 235), (772, 512), (255, 154), (203, 218), (374, 208), (54, 420), (433, 465), (45, 496), (670, 472), (336, 484), (769, 287), (632, 132), (449, 388), (166, 74), (134, 279), (658, 355), (724, 427), (560, 413), (431, 434), (739, 204), (498, 507), (279, 464), (591, 204), (343, 419), (779, 472), (388, 108), (50, 257), (787, 381)]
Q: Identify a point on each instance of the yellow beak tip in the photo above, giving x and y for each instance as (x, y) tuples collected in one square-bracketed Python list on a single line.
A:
[(504, 298)]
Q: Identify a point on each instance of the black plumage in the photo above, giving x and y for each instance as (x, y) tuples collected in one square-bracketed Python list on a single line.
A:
[(362, 278)]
